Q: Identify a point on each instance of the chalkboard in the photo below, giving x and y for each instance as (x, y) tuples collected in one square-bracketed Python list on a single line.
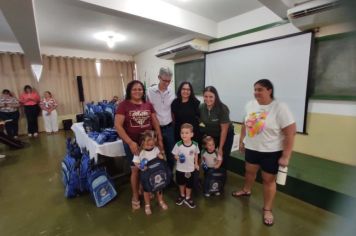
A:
[(333, 73), (193, 72)]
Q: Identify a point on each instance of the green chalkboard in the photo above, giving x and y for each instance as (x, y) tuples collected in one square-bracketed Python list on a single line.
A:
[(191, 71), (333, 72)]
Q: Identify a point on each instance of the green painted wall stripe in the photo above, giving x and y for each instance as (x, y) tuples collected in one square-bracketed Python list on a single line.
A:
[(263, 27), (336, 36), (335, 97)]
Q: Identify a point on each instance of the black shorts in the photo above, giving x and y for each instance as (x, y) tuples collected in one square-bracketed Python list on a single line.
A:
[(185, 178), (268, 161)]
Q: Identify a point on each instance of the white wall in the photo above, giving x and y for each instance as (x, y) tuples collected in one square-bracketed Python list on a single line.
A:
[(14, 47), (249, 20), (148, 66)]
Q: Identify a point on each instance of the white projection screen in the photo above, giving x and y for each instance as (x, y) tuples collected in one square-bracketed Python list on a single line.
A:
[(284, 61)]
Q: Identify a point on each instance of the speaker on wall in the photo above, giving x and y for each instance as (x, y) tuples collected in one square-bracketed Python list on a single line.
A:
[(80, 88)]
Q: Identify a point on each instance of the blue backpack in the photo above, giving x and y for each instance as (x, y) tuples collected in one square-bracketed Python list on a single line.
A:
[(75, 170), (156, 177), (214, 180), (100, 187)]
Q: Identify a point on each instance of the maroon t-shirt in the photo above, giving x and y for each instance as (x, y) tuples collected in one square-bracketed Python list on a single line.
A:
[(137, 118)]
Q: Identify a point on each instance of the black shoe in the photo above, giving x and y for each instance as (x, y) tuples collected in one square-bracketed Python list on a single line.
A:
[(190, 203), (180, 200)]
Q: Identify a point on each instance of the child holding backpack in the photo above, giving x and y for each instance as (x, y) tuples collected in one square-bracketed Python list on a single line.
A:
[(149, 151), (211, 160)]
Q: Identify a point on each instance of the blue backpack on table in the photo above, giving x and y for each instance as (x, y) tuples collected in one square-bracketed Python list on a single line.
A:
[(156, 177), (214, 180)]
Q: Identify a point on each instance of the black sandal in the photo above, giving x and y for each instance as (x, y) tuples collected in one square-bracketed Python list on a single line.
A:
[(241, 193), (268, 221)]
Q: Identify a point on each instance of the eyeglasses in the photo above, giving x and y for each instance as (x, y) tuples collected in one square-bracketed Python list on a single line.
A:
[(168, 81)]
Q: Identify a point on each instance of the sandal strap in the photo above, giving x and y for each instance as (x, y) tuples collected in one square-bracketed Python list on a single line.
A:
[(264, 209)]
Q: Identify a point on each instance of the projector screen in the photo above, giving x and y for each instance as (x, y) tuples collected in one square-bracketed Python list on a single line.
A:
[(284, 61)]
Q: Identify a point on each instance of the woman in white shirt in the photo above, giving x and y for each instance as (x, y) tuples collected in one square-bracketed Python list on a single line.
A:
[(48, 105), (267, 138)]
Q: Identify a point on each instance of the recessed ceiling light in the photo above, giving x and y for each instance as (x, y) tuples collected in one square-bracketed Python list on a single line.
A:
[(110, 38)]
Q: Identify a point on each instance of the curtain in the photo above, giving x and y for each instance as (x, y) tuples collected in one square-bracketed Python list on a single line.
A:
[(59, 77)]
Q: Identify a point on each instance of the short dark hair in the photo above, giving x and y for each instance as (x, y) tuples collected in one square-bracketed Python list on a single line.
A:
[(129, 88), (266, 83), (192, 97), (27, 87), (6, 91)]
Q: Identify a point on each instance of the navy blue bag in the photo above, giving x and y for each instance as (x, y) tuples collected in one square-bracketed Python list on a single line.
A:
[(100, 187), (156, 177), (214, 180)]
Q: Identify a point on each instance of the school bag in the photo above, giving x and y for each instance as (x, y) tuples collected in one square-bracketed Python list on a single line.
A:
[(214, 180), (71, 169), (100, 187), (156, 177), (75, 168)]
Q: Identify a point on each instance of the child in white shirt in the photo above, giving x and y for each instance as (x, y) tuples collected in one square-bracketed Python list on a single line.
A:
[(210, 157), (186, 153), (149, 151)]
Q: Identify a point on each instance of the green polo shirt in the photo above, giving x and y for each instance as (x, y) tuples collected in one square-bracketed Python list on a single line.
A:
[(210, 120)]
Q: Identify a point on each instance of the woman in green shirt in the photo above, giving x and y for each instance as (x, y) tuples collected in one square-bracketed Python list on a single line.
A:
[(215, 122)]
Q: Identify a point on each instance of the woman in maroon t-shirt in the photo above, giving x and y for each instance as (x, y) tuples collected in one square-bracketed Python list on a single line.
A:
[(133, 116)]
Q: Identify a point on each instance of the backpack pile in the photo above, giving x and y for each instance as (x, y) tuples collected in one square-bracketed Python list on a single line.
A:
[(80, 175)]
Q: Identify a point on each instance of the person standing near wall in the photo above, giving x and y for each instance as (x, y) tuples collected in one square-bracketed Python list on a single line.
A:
[(267, 138), (30, 99), (135, 115), (9, 110), (48, 105), (162, 97), (215, 122), (185, 109)]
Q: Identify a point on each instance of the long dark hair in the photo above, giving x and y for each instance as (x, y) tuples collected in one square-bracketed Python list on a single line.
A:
[(129, 88), (266, 84), (218, 102), (192, 97)]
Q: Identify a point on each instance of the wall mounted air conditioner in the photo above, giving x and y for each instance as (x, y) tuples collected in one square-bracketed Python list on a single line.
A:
[(316, 13), (184, 49)]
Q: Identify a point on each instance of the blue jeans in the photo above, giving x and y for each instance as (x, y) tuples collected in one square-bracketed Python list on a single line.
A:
[(129, 155), (168, 142)]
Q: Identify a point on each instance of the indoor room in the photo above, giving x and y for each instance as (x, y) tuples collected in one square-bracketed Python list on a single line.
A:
[(178, 117)]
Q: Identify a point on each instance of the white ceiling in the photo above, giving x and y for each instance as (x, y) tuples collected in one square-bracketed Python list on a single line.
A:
[(71, 24), (217, 10)]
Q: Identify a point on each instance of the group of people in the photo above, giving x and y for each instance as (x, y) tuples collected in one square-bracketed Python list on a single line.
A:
[(176, 125), (33, 105)]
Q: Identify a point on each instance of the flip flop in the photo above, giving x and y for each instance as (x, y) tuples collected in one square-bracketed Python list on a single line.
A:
[(135, 205), (268, 221), (241, 193)]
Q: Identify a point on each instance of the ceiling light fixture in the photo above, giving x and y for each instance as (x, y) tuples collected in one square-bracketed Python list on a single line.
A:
[(111, 38)]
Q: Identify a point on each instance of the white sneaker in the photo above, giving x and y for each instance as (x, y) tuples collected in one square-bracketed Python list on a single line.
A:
[(29, 135), (35, 134), (2, 156), (16, 137), (217, 194)]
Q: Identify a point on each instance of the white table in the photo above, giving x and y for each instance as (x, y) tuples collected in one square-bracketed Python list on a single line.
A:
[(111, 149)]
